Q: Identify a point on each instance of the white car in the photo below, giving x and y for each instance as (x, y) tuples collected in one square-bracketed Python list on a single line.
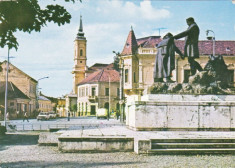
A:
[(43, 116), (52, 115)]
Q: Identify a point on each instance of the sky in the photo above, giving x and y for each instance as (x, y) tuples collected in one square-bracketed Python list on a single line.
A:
[(106, 24)]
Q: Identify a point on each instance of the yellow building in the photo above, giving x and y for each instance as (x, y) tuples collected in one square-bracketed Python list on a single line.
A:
[(138, 57), (60, 109), (45, 105), (25, 83)]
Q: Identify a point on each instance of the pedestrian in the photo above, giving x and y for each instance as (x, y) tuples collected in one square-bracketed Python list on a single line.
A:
[(191, 44), (68, 115), (17, 114), (165, 59), (117, 114), (7, 116), (25, 117)]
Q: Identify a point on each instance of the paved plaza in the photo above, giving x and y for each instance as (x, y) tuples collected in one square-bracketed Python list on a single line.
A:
[(21, 150)]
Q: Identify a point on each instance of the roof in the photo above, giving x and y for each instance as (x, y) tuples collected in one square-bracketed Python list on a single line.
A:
[(222, 47), (102, 76), (43, 98), (71, 95), (12, 91), (97, 66), (131, 45), (149, 42), (20, 71)]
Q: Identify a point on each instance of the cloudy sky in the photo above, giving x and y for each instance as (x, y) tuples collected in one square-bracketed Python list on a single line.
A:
[(106, 26)]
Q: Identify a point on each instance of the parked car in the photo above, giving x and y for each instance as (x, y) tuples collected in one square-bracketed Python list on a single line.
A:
[(52, 115), (43, 116), (102, 113)]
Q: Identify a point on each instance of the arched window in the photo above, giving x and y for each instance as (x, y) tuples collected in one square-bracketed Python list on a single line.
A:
[(81, 52)]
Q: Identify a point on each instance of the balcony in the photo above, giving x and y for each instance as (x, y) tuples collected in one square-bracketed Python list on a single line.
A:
[(92, 98)]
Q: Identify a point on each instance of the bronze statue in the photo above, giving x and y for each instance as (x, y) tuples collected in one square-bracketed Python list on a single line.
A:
[(191, 44), (165, 59)]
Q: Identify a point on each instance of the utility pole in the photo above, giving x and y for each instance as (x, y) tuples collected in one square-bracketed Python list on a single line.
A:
[(6, 89), (109, 99)]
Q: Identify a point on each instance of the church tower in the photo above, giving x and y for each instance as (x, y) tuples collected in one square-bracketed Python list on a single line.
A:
[(79, 57)]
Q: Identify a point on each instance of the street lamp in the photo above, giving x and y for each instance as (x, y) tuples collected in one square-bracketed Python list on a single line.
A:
[(37, 88), (211, 38), (121, 101)]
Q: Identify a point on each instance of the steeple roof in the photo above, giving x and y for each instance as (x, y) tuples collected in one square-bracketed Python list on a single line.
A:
[(131, 44), (80, 30)]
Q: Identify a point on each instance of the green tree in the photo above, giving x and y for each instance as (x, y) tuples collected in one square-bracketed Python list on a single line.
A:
[(28, 16), (74, 108), (116, 61)]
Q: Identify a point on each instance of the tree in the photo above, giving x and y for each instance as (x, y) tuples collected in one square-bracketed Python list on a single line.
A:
[(74, 108), (116, 61), (27, 16)]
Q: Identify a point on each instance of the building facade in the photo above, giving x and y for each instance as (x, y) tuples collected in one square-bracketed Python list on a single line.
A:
[(71, 104), (25, 83), (17, 101), (60, 109), (45, 105), (99, 90)]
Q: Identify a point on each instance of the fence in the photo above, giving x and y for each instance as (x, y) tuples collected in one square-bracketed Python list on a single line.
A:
[(46, 127)]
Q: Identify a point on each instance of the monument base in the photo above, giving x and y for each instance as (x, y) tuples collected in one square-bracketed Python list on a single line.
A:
[(182, 112)]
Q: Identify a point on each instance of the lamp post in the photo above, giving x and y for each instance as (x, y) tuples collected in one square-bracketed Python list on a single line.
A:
[(121, 101), (211, 38), (37, 89)]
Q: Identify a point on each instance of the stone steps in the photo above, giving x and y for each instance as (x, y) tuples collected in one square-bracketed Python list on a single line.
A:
[(192, 146), (192, 151)]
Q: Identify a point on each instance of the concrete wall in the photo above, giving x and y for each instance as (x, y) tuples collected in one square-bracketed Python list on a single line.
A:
[(188, 112)]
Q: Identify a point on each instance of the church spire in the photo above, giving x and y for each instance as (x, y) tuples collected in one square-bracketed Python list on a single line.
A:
[(80, 31)]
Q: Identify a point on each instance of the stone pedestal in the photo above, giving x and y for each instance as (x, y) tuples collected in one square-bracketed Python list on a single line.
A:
[(182, 112)]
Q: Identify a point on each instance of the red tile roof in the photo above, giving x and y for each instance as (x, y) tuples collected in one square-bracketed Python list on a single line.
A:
[(97, 66), (149, 42), (205, 46), (131, 45), (102, 76)]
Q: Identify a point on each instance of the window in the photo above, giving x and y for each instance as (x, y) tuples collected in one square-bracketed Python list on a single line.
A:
[(93, 90), (126, 75), (80, 61), (12, 103), (32, 88), (81, 52), (106, 91)]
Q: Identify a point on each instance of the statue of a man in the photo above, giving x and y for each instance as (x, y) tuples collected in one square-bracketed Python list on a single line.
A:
[(191, 44), (165, 59)]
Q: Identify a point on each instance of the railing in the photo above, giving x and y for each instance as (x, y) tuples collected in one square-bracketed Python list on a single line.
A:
[(46, 127)]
